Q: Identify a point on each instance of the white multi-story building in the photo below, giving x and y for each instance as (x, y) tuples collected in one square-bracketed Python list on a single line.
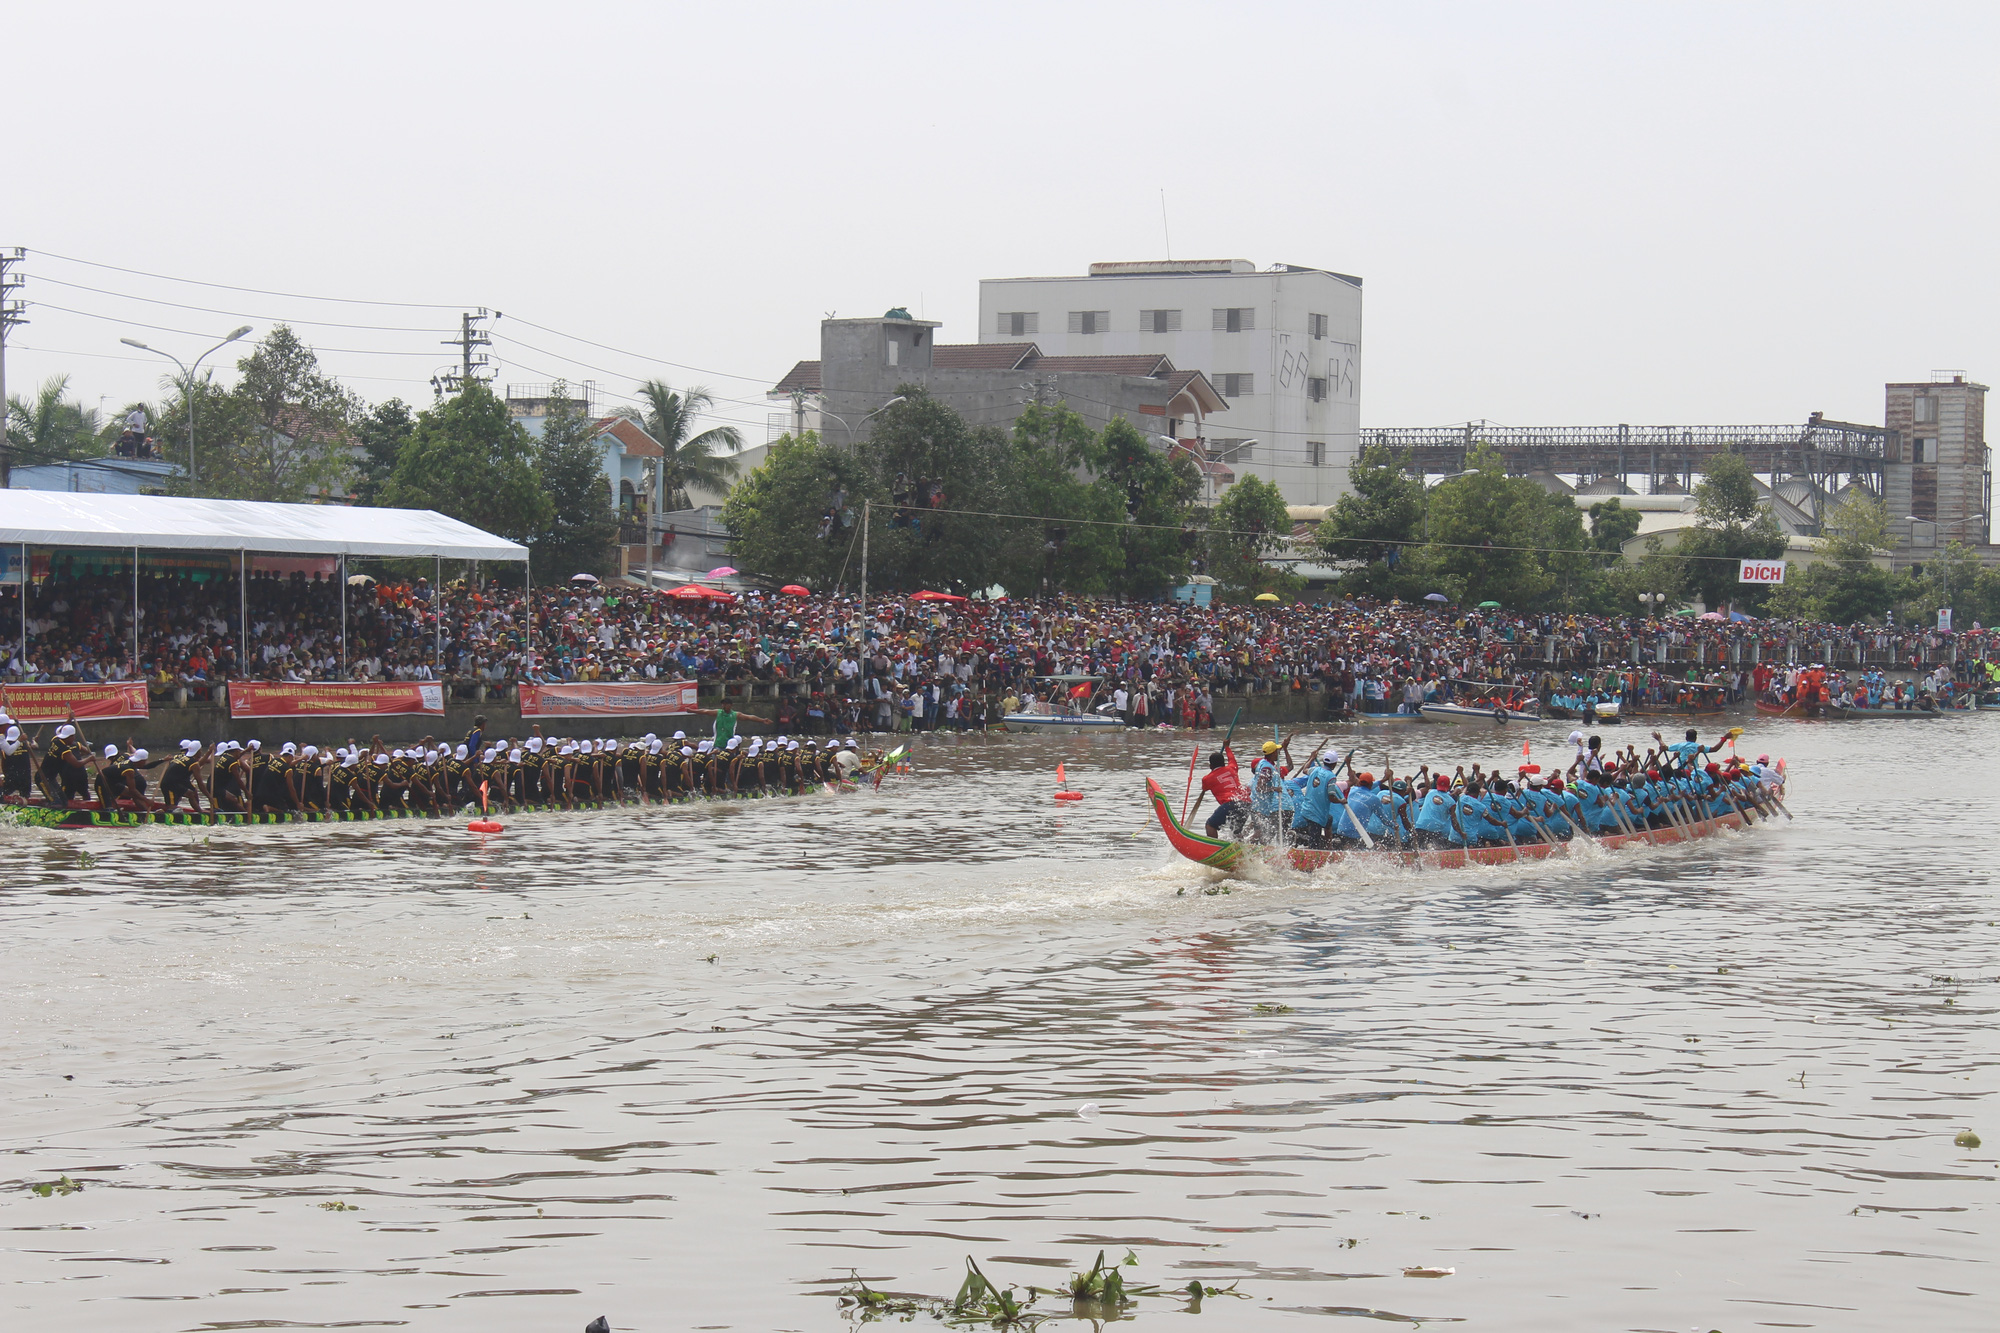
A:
[(1282, 345)]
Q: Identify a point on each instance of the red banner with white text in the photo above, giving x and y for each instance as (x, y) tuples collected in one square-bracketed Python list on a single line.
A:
[(336, 699), (609, 699), (52, 703)]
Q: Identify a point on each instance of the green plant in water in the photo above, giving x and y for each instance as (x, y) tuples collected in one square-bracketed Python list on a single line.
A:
[(1966, 1139), (338, 1206), (86, 861), (1272, 1009), (60, 1185)]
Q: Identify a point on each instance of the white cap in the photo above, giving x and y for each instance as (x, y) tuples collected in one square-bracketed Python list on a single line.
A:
[(110, 752), (687, 752), (649, 738), (140, 756), (65, 731), (705, 746), (288, 748), (513, 756), (654, 748), (350, 761), (734, 741), (462, 753), (792, 745), (382, 759), (256, 745), (680, 735), (310, 751), (535, 744)]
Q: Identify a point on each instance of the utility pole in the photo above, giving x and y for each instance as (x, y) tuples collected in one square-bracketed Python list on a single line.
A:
[(11, 315), (473, 364)]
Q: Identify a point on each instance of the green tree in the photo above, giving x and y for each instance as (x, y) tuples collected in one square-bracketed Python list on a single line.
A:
[(776, 514), (1379, 523), (693, 457), (381, 431), (1731, 525), (1158, 491), (1052, 471), (581, 536), (1846, 586), (1949, 578), (1612, 525), (467, 457), (920, 444), (51, 427), (290, 437), (1248, 523), (1484, 525)]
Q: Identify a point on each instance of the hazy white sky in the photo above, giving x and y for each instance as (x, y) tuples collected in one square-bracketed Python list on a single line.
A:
[(1564, 213)]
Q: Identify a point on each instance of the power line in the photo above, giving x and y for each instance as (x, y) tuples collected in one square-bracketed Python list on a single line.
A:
[(255, 291), (239, 314), (196, 333)]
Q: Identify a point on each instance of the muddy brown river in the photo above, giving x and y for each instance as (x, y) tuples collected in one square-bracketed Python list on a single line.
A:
[(699, 1067)]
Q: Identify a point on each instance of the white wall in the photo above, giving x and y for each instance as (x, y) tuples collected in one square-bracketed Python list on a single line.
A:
[(1279, 352)]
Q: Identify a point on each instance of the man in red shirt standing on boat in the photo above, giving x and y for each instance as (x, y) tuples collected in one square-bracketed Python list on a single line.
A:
[(1225, 784)]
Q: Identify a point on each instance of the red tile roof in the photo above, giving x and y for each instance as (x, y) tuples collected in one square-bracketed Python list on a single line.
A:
[(802, 378), (1145, 365), (984, 356), (630, 434)]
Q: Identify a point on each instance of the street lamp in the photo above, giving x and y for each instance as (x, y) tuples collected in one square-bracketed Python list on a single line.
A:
[(864, 421), (1944, 566), (1430, 485), (188, 377)]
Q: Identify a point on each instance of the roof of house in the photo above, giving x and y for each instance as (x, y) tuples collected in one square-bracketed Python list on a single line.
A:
[(631, 435), (806, 377)]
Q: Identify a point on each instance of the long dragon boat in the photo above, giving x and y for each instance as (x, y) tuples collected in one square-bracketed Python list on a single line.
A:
[(1222, 854), (92, 815)]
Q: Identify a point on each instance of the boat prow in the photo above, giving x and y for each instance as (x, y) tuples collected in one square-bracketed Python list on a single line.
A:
[(1215, 853)]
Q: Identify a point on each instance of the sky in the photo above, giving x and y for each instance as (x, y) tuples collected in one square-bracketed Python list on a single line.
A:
[(1563, 213)]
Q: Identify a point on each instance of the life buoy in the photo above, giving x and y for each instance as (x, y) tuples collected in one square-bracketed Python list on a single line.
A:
[(1500, 716)]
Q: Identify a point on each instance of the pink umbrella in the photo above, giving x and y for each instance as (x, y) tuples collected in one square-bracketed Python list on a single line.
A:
[(721, 572), (1711, 615)]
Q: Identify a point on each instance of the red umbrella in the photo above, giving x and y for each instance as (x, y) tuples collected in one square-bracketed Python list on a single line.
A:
[(928, 596), (694, 592), (796, 590)]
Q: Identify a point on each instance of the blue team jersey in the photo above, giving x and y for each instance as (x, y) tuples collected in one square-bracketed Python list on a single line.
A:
[(1313, 799), (1434, 813), (1264, 784)]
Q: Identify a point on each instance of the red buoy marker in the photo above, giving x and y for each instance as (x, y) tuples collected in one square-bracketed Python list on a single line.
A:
[(1063, 793), (485, 823)]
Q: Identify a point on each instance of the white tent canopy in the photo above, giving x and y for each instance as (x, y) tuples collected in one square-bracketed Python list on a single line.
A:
[(61, 518)]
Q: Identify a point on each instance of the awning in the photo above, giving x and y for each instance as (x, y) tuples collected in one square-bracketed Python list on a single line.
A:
[(64, 518)]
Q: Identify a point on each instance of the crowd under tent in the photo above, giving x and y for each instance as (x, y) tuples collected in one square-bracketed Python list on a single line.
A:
[(172, 530)]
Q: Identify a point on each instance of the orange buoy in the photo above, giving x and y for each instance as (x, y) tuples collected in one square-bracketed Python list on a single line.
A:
[(1069, 796), (484, 826)]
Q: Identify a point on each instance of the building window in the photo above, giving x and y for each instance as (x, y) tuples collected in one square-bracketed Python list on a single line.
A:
[(1159, 321), (1316, 452), (1018, 324), (1316, 389), (1926, 451), (1237, 319), (895, 349), (1926, 409), (1090, 321), (1316, 325), (1231, 451), (1236, 386), (1923, 501)]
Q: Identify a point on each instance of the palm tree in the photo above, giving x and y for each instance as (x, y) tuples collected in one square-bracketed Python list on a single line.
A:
[(50, 429), (691, 460)]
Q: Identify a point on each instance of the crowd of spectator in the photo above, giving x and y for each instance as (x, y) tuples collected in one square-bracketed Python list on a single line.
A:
[(937, 661)]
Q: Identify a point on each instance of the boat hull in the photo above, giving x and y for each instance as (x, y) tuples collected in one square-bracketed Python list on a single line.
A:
[(1463, 713), (1218, 854), (1833, 713), (1032, 722)]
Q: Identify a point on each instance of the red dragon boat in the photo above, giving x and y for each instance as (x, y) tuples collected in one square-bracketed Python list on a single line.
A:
[(1221, 854)]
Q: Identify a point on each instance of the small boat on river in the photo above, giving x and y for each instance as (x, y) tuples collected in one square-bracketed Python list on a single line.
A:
[(1487, 702), (1832, 712)]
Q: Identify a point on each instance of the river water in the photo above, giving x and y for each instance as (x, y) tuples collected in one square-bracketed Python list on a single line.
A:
[(692, 1068)]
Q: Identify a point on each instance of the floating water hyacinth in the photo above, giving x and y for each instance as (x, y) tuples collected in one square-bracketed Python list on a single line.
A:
[(1429, 1272), (1966, 1139)]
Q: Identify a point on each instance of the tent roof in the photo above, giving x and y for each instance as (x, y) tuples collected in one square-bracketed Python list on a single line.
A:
[(64, 518)]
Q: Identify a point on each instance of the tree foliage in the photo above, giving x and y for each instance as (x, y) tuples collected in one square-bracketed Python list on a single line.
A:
[(581, 535), (1612, 525), (290, 438), (381, 432), (1248, 523), (693, 457), (797, 517), (468, 458), (1731, 525), (51, 427)]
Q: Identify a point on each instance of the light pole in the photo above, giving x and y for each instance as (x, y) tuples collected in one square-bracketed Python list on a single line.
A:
[(187, 374), (864, 421), (1944, 564), (1429, 486)]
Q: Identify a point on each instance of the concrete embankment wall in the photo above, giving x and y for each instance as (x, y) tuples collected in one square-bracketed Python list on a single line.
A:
[(172, 722)]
